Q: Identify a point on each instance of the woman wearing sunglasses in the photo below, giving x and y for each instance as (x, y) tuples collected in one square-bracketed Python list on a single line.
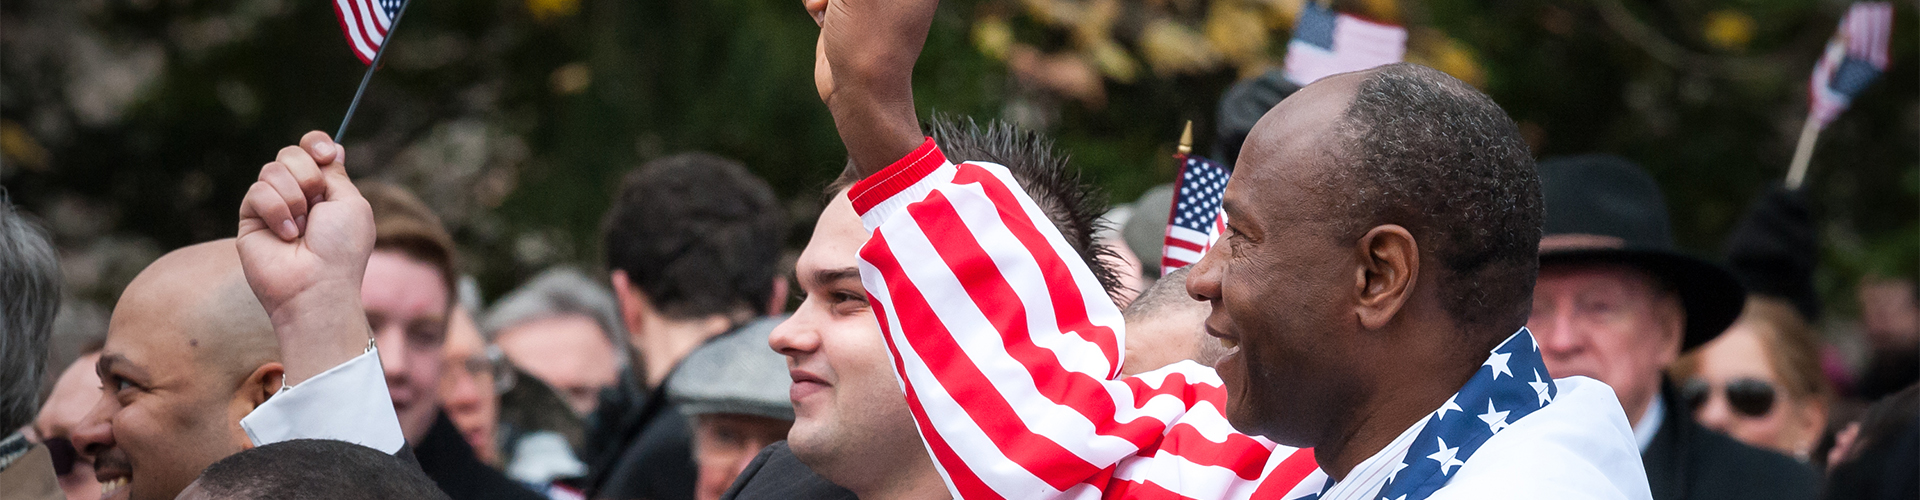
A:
[(1760, 382)]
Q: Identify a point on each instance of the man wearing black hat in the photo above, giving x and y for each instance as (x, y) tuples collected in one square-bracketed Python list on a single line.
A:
[(1617, 301)]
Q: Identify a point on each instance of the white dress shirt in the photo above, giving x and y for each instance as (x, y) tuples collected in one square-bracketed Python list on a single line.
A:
[(348, 403)]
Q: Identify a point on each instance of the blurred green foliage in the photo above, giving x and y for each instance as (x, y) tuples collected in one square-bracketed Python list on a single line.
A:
[(517, 118)]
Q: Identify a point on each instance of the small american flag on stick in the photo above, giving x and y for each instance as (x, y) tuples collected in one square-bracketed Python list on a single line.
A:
[(366, 23), (1326, 43), (1196, 220), (1853, 59)]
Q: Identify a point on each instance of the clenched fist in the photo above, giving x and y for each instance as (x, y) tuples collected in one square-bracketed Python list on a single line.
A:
[(305, 235)]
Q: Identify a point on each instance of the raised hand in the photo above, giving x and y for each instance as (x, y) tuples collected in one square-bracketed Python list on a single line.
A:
[(863, 67), (305, 235)]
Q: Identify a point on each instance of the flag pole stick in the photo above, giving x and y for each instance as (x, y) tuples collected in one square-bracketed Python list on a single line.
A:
[(368, 77), (1186, 140), (1803, 153)]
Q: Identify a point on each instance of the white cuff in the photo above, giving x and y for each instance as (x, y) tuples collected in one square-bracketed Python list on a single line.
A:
[(348, 402)]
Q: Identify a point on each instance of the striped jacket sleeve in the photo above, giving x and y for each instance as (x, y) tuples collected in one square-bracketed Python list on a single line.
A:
[(1008, 351)]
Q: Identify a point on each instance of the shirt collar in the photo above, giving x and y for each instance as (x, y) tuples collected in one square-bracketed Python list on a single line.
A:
[(1649, 424)]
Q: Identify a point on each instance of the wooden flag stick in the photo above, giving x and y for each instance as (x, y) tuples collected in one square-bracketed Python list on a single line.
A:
[(368, 77), (1803, 153), (1186, 140)]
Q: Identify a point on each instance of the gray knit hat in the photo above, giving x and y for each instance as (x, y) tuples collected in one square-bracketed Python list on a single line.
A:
[(736, 373)]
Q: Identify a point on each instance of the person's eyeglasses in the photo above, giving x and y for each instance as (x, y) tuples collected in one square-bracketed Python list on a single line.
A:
[(493, 363), (1751, 397), (63, 453)]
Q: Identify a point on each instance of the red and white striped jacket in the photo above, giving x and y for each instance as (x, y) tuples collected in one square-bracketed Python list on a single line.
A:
[(1008, 351)]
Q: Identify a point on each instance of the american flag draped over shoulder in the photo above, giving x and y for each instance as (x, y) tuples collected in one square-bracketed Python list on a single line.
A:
[(1856, 55), (366, 23), (1196, 219), (1327, 43)]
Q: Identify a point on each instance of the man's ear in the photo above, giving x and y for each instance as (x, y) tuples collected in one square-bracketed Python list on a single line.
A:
[(1389, 265), (262, 383)]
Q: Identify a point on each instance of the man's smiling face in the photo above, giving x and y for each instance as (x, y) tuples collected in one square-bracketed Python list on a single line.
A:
[(174, 379), (851, 421), (1279, 277)]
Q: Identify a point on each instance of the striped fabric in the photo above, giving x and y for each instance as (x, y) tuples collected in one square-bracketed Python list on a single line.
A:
[(366, 23), (1009, 355)]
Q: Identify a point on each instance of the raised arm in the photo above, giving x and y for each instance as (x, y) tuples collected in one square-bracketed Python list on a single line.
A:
[(305, 236), (1009, 349), (863, 67)]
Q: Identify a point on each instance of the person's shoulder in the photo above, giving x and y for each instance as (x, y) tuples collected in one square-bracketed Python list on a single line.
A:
[(1579, 446), (778, 474), (1721, 462)]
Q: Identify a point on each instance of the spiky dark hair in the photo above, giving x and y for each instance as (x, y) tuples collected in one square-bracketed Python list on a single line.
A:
[(1074, 206)]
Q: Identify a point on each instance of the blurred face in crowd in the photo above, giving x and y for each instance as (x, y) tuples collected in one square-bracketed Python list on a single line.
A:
[(467, 386), (188, 353), (74, 395), (723, 445), (1612, 322), (569, 352), (407, 304), (1736, 390), (851, 421)]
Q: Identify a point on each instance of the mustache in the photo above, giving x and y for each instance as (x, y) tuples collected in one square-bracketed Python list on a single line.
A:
[(112, 461)]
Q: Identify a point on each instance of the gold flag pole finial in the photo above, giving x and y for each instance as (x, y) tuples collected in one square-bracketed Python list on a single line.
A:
[(1186, 139)]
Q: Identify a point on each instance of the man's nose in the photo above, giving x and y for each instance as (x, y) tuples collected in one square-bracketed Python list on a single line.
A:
[(94, 434), (1554, 331), (797, 334), (1714, 414), (1203, 281), (392, 342)]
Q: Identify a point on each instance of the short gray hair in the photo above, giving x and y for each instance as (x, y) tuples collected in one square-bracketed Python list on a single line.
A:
[(559, 291), (29, 297)]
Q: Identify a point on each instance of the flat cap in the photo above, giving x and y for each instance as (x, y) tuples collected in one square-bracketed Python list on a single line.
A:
[(735, 373)]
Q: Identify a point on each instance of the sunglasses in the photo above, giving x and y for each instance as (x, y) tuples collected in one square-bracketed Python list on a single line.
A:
[(63, 453), (1748, 396)]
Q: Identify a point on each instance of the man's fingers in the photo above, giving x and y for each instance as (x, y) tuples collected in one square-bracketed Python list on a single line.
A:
[(279, 176), (322, 147), (264, 203), (305, 171)]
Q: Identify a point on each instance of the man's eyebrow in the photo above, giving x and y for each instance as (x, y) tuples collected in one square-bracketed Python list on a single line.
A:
[(109, 361), (826, 276)]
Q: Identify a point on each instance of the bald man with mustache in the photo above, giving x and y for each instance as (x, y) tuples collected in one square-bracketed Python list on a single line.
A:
[(189, 352)]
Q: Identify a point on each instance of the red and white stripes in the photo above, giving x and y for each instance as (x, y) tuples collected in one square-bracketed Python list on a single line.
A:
[(365, 23), (1009, 353)]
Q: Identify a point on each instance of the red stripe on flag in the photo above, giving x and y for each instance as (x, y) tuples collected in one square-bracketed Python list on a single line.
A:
[(1184, 243), (346, 28)]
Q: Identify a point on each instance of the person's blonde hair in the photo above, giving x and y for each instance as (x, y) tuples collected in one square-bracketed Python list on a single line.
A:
[(1792, 347)]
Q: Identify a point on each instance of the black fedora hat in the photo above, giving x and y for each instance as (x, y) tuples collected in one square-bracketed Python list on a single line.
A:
[(1604, 208)]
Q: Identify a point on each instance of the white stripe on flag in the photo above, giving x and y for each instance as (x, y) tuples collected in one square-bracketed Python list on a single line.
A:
[(1183, 255), (348, 25), (367, 24)]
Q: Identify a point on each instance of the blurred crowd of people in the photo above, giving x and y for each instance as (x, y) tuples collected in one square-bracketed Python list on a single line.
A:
[(683, 369)]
